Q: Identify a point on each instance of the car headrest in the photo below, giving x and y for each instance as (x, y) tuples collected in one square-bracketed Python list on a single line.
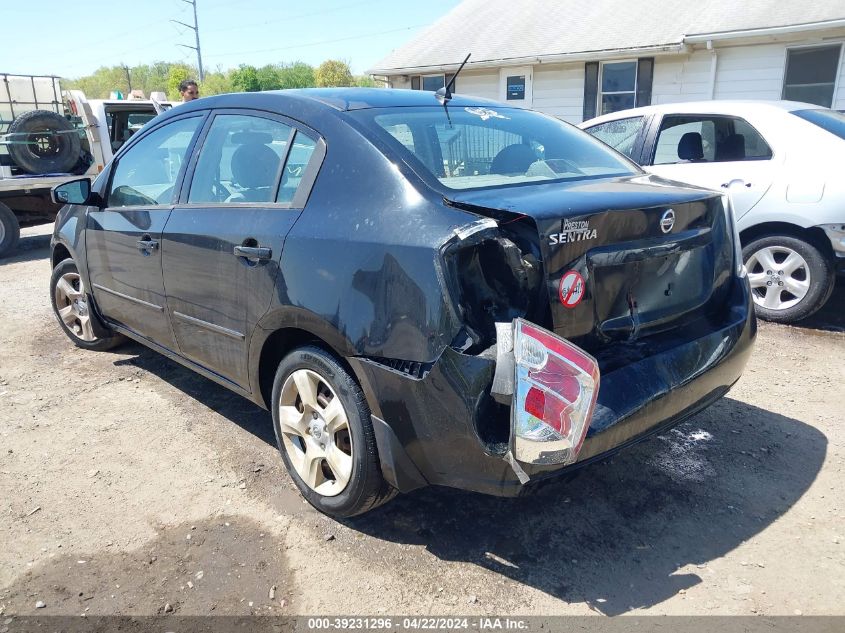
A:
[(254, 166), (731, 148), (690, 147), (513, 159)]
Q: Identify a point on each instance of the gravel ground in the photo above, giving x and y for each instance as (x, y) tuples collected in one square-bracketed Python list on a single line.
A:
[(130, 485)]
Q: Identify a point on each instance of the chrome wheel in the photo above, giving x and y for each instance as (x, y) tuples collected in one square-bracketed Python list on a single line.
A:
[(2, 232), (779, 277), (72, 306), (315, 432)]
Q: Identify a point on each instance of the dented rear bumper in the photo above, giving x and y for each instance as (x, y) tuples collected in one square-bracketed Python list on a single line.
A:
[(444, 428)]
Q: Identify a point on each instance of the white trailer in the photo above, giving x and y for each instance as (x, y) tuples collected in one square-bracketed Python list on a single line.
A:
[(49, 136)]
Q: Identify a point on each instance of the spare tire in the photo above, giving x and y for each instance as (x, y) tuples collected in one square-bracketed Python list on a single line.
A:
[(46, 143)]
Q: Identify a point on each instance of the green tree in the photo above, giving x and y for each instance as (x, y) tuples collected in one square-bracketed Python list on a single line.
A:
[(268, 78), (296, 75), (216, 83), (332, 73), (176, 74), (100, 83), (365, 81), (245, 79)]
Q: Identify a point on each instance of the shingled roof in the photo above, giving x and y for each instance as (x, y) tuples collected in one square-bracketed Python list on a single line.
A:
[(510, 31)]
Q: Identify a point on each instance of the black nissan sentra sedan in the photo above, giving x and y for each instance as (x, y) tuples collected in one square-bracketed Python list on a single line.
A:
[(422, 291)]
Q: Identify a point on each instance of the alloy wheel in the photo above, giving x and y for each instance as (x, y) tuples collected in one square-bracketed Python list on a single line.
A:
[(72, 306), (779, 277), (315, 432)]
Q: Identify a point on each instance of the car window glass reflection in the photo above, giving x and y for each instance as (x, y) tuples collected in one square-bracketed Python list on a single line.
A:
[(620, 135), (146, 174), (240, 160), (300, 154)]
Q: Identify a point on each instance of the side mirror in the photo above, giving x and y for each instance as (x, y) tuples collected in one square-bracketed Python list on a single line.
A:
[(72, 192)]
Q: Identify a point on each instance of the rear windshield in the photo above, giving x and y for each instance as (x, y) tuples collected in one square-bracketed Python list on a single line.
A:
[(830, 120), (476, 147)]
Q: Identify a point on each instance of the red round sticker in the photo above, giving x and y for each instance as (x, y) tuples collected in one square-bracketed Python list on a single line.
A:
[(572, 288)]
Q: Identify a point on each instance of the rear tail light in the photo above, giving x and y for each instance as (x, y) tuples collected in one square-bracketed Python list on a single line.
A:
[(556, 386)]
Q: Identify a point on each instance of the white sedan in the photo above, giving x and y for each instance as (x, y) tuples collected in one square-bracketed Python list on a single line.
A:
[(782, 163)]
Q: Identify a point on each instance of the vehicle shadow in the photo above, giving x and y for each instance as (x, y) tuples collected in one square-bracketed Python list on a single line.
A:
[(832, 315), (29, 248), (616, 535), (249, 416)]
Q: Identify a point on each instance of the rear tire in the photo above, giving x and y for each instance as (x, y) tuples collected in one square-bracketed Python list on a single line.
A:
[(72, 307), (10, 230), (324, 433), (790, 278), (48, 143)]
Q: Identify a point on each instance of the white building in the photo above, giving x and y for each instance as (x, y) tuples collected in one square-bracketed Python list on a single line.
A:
[(576, 59)]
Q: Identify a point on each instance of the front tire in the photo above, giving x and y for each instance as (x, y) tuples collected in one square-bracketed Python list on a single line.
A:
[(72, 307), (790, 278), (323, 431)]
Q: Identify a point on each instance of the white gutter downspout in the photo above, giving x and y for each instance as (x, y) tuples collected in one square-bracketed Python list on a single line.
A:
[(714, 62)]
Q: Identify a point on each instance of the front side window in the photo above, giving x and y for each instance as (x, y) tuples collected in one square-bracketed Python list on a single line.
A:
[(146, 174), (620, 134), (618, 86), (811, 74), (710, 139), (240, 160), (474, 147)]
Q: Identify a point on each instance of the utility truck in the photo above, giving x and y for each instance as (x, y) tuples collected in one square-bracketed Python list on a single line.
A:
[(49, 136)]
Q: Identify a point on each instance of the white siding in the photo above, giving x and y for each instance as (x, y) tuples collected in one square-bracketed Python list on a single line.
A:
[(559, 90), (751, 72), (475, 84), (681, 78), (484, 84)]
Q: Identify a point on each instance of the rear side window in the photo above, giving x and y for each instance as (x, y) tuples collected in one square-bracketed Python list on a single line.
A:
[(240, 160), (146, 174), (300, 155), (829, 120), (708, 138), (620, 134)]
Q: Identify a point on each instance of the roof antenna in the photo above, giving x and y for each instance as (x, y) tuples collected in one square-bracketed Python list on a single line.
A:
[(445, 94)]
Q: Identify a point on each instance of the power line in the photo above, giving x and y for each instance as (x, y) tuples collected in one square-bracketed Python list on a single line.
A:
[(341, 39)]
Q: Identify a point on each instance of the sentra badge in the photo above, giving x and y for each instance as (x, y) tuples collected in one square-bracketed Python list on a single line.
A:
[(573, 231)]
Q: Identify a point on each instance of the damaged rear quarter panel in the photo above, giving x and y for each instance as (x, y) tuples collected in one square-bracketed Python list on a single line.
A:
[(361, 268)]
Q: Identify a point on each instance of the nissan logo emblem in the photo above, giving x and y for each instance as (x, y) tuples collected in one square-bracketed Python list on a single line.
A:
[(667, 220)]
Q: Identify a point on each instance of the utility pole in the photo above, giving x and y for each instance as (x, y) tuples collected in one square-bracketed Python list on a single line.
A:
[(128, 79), (196, 29)]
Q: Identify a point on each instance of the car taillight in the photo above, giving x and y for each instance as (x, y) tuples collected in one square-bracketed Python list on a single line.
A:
[(556, 386)]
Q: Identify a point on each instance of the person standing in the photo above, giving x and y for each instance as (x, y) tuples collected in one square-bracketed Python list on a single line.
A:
[(189, 90)]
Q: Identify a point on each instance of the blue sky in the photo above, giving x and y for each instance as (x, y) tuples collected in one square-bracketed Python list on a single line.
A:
[(72, 39)]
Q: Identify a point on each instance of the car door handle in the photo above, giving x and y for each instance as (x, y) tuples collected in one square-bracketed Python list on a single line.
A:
[(735, 181), (147, 244), (253, 252)]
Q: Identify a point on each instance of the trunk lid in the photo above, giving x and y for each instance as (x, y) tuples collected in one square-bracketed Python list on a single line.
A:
[(637, 255)]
